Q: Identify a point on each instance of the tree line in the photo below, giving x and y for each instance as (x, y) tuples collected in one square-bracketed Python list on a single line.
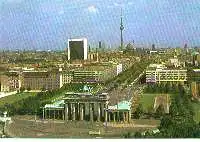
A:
[(162, 88)]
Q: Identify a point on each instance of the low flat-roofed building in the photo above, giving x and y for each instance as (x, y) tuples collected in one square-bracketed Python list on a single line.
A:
[(159, 74), (93, 73), (4, 81), (37, 80), (87, 76)]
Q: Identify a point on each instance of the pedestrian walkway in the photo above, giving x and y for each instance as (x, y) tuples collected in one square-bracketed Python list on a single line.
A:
[(128, 125), (3, 94)]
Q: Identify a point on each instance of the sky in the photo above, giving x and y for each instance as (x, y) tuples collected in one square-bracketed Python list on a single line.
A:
[(47, 24)]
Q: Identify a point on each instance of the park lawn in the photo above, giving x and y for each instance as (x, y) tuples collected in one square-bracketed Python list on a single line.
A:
[(15, 97), (147, 101), (196, 107)]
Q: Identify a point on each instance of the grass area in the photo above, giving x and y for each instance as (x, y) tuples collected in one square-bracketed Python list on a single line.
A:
[(196, 107), (147, 101), (16, 97)]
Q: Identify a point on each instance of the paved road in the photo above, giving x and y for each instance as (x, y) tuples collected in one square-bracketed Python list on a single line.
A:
[(118, 94)]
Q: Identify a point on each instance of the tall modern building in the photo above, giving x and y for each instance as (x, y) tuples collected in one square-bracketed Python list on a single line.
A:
[(77, 49)]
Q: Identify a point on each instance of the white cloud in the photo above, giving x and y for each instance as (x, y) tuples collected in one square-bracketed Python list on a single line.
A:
[(14, 1), (61, 12), (115, 4), (92, 9), (130, 3)]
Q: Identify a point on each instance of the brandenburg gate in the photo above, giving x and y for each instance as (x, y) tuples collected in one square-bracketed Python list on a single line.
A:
[(85, 106)]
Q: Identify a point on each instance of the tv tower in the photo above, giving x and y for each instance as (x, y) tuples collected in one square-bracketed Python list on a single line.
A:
[(121, 29)]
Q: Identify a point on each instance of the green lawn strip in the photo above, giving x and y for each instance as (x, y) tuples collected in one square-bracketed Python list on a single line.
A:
[(147, 100), (15, 97), (196, 107)]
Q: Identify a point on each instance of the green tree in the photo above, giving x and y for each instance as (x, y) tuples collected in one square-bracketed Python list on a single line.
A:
[(29, 89), (138, 135), (127, 135), (22, 89), (167, 87), (160, 111), (165, 122), (139, 111)]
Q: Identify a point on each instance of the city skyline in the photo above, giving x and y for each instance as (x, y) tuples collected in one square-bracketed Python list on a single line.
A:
[(45, 25)]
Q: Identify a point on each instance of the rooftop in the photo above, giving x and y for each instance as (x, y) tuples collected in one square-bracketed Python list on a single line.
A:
[(123, 105), (57, 104), (196, 70)]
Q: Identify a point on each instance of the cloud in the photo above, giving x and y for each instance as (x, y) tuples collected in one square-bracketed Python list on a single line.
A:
[(130, 3), (13, 1), (61, 12), (115, 4), (92, 9)]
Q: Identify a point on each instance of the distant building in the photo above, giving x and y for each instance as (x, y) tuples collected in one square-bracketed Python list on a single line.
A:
[(83, 76), (4, 81), (92, 74), (31, 79), (67, 77), (87, 76), (119, 69), (174, 62), (77, 49), (159, 73), (9, 82), (195, 58), (153, 52), (93, 56), (195, 82), (37, 80)]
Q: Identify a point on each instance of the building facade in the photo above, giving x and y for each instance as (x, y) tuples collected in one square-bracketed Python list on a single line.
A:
[(87, 107), (9, 82), (38, 80), (162, 74), (195, 82), (77, 49)]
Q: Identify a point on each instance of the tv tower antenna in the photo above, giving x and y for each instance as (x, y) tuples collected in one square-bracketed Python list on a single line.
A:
[(121, 29)]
